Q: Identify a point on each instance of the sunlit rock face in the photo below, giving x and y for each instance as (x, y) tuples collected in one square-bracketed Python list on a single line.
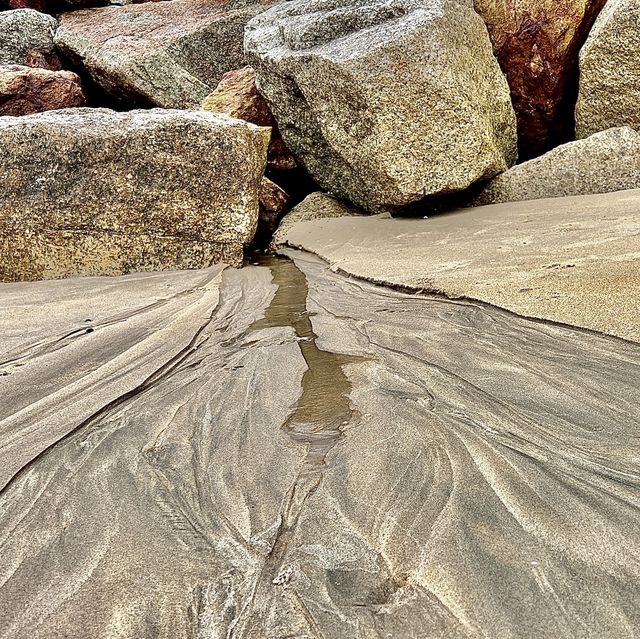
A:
[(92, 191), (610, 71), (385, 103)]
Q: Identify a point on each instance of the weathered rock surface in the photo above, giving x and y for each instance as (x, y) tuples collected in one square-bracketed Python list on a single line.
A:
[(537, 44), (27, 38), (25, 90), (53, 6), (38, 5), (605, 162), (571, 260), (609, 93), (315, 206), (168, 54), (385, 103), (237, 95), (92, 191), (179, 461), (273, 201)]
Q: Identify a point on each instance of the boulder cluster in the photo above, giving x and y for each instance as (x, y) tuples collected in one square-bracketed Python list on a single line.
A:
[(170, 134)]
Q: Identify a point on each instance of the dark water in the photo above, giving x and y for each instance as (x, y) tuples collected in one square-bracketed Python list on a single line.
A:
[(323, 409)]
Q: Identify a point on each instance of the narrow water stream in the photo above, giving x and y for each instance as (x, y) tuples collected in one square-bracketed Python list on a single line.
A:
[(321, 413), (323, 409)]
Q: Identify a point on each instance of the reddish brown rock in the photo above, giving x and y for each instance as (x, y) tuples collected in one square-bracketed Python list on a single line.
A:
[(237, 95), (537, 44), (25, 90), (38, 5), (273, 202)]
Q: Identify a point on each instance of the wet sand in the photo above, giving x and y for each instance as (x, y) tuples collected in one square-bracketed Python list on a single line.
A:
[(574, 260), (283, 451)]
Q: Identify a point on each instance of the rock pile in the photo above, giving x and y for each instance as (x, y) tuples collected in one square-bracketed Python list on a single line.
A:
[(401, 106), (166, 54)]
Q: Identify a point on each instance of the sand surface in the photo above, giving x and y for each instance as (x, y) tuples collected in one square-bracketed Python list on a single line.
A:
[(284, 451), (573, 260)]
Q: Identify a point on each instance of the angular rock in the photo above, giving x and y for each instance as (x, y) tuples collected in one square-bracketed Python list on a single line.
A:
[(238, 97), (385, 102), (92, 191), (604, 162), (609, 94), (316, 206), (26, 90), (273, 201), (27, 38), (168, 54), (537, 44)]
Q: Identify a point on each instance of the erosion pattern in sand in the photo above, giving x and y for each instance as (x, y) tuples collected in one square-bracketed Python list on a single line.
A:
[(284, 452), (574, 260)]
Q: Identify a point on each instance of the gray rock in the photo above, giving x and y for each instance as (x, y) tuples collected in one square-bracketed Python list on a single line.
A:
[(168, 54), (27, 38), (385, 102), (609, 93), (92, 191), (316, 206), (604, 162)]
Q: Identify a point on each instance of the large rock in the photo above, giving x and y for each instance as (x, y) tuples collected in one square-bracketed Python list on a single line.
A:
[(605, 162), (25, 90), (537, 44), (385, 102), (609, 93), (92, 191), (168, 54), (237, 96), (27, 38)]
